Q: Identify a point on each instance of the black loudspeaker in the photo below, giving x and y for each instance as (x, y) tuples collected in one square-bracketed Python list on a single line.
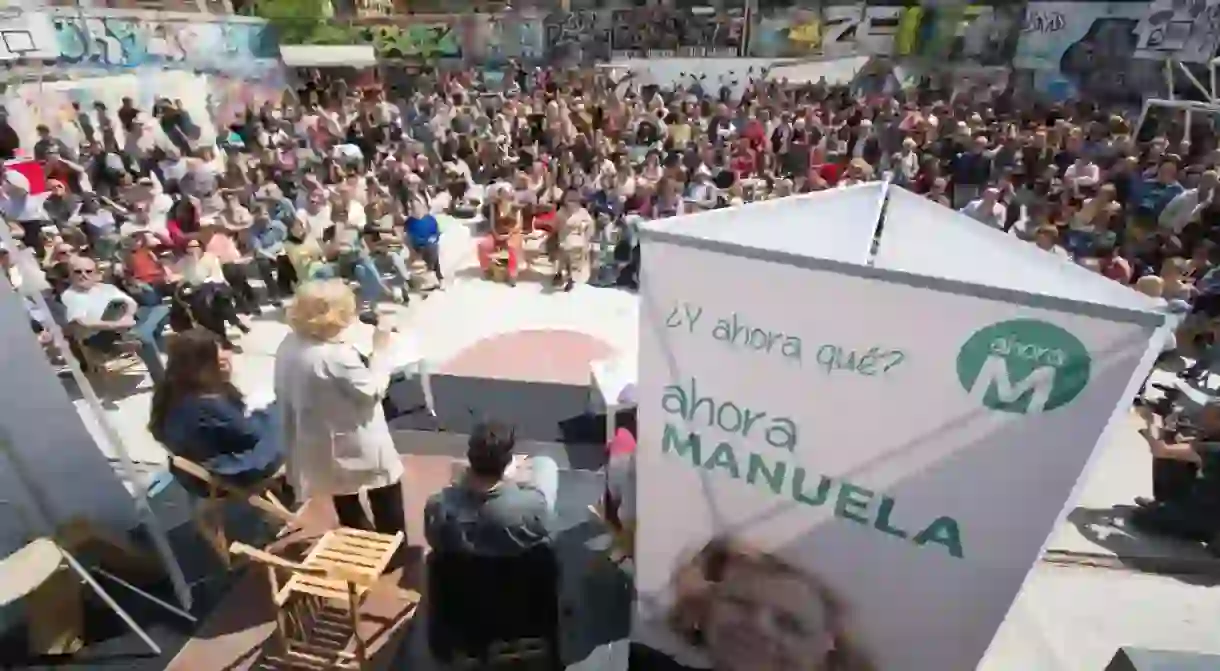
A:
[(1141, 659)]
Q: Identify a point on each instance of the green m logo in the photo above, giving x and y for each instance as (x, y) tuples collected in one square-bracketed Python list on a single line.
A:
[(1024, 366)]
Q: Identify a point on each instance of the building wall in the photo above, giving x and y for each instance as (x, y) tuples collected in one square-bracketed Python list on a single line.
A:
[(1111, 51), (56, 58)]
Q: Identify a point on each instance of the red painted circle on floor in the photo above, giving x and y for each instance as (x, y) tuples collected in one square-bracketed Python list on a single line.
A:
[(545, 355)]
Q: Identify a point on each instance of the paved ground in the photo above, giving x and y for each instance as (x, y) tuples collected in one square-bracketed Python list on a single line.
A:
[(1068, 617), (1089, 597)]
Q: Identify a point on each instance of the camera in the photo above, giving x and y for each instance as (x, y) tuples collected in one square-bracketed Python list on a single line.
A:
[(1171, 411)]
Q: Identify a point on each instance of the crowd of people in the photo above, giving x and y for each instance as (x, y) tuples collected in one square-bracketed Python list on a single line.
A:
[(143, 228)]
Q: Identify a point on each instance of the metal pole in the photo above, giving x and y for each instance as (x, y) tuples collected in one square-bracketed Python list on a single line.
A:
[(143, 508)]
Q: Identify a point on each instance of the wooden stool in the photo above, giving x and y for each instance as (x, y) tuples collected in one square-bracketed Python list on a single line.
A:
[(342, 567)]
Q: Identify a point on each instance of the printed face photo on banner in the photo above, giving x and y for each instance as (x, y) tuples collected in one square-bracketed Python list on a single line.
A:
[(822, 480)]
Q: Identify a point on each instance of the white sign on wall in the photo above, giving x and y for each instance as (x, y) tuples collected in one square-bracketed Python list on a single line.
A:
[(26, 35), (1187, 31), (844, 467)]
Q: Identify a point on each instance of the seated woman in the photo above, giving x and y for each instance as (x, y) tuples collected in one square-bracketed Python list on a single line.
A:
[(199, 415), (573, 225), (219, 237), (206, 292), (423, 236), (505, 234), (305, 253)]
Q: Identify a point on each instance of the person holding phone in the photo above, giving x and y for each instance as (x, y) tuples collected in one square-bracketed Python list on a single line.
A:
[(333, 426)]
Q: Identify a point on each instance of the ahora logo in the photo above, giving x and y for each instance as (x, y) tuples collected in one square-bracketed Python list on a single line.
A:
[(1023, 366)]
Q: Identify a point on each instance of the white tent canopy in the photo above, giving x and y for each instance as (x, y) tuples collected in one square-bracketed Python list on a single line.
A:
[(921, 237), (835, 225), (918, 237)]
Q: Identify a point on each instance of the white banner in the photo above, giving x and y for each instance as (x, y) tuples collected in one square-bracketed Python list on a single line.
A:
[(848, 469)]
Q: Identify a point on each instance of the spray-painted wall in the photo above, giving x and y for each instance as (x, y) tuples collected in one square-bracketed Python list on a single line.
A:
[(217, 66), (1106, 50), (115, 40)]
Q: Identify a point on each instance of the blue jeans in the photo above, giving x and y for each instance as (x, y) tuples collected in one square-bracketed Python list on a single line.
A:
[(151, 321), (150, 331), (398, 259), (365, 272)]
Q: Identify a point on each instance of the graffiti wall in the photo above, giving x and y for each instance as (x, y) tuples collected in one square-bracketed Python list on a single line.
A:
[(1104, 49), (577, 37), (1188, 31), (417, 40), (496, 39), (983, 34), (121, 41), (55, 103), (660, 32), (1091, 49), (560, 37)]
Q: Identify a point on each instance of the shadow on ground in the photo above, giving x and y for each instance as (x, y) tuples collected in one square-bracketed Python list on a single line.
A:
[(1123, 546)]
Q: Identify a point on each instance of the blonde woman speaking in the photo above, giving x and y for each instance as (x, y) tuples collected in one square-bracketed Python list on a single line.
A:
[(335, 433)]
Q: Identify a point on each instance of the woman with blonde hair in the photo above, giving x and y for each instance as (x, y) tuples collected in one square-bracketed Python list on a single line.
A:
[(334, 429), (751, 611)]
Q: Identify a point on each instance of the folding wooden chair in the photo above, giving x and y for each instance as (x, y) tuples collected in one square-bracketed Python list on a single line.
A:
[(341, 569), (209, 510)]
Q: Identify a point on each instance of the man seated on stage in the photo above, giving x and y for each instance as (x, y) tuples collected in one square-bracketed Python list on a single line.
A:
[(490, 511), (100, 314)]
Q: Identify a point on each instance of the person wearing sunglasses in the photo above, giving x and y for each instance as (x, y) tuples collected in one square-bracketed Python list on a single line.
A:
[(101, 315)]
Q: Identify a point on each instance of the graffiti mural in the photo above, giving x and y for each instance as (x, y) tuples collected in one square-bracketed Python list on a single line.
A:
[(55, 103), (659, 32), (1187, 30), (229, 97), (787, 32), (1089, 49), (494, 39), (1103, 65), (114, 43), (983, 34), (414, 41), (577, 37)]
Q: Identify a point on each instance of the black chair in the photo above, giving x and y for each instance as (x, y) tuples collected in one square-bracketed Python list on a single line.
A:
[(495, 610)]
